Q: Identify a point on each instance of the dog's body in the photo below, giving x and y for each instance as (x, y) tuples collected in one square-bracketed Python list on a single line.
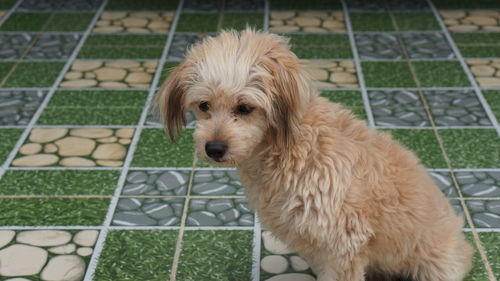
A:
[(349, 199)]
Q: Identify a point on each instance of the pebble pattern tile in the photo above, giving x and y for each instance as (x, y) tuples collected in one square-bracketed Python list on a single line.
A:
[(74, 147), (332, 74), (456, 108), (465, 21), (278, 262), (180, 44), (479, 184), (216, 183), (398, 108), (378, 46), (12, 46), (136, 22), (17, 106), (219, 212), (61, 5), (427, 46), (486, 72), (110, 74), (148, 211), (157, 183), (306, 22), (485, 213), (45, 254), (445, 182), (53, 46)]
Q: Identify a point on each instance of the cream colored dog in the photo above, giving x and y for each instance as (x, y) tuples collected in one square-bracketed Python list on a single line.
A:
[(350, 200)]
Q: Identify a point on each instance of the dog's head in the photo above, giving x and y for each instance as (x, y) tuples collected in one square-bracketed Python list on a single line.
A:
[(245, 89)]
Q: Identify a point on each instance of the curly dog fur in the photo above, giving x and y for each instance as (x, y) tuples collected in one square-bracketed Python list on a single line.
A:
[(350, 200)]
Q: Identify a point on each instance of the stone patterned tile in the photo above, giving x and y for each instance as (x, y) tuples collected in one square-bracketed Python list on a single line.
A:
[(134, 22), (486, 72), (110, 74), (64, 5), (157, 183), (378, 46), (17, 107), (306, 22), (74, 147), (485, 213), (445, 183), (12, 46), (216, 183), (180, 44), (427, 46), (479, 184), (142, 211), (332, 74), (397, 108), (456, 108), (46, 254), (279, 262), (461, 20), (219, 212), (53, 46)]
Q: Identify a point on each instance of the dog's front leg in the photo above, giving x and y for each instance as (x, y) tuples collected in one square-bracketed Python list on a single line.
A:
[(353, 270)]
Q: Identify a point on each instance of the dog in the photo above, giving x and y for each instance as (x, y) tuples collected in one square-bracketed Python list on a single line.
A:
[(350, 200)]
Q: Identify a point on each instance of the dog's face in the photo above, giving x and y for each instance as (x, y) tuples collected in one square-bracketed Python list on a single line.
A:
[(244, 89)]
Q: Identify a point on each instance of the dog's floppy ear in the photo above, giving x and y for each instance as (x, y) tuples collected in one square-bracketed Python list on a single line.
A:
[(284, 84), (170, 101)]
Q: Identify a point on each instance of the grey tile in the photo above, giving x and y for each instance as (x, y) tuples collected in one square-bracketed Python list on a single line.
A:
[(479, 184), (378, 46), (142, 211), (157, 183), (181, 42), (54, 46), (397, 108), (485, 213), (216, 183), (219, 212), (13, 45), (445, 183), (427, 46), (17, 107)]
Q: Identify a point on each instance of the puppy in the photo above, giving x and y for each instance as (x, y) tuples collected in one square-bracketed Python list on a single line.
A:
[(350, 200)]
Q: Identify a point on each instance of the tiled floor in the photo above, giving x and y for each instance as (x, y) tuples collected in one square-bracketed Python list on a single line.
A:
[(90, 189)]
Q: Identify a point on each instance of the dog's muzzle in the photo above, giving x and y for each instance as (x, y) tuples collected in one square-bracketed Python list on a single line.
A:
[(215, 149)]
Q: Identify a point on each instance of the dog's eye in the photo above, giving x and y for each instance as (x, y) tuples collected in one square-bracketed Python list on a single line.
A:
[(244, 109), (203, 106)]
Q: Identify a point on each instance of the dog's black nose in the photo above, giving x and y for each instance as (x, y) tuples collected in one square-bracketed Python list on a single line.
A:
[(215, 149)]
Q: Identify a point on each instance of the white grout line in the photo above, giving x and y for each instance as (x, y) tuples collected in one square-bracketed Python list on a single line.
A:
[(357, 62), (266, 15), (10, 12), (109, 216), (424, 89), (51, 92), (436, 127), (403, 60), (256, 250), (461, 59)]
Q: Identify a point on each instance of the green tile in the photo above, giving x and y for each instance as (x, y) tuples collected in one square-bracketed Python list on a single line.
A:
[(156, 150), (493, 99), (197, 23), (9, 139), (478, 45), (5, 67), (53, 211), (423, 143), (145, 5), (137, 255), (94, 108), (216, 255), (371, 22), (69, 22), (240, 21), (34, 74), (387, 74), (350, 99), (167, 68), (416, 21), (320, 46), (59, 182), (478, 272), (466, 4), (123, 46), (7, 4), (305, 5), (472, 148), (440, 74), (25, 22), (491, 244)]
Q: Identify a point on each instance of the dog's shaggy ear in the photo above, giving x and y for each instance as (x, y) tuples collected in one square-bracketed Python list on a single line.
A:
[(170, 101), (285, 84)]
